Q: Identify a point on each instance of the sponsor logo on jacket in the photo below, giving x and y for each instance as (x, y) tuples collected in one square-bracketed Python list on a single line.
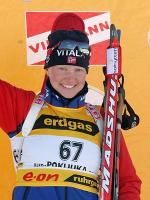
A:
[(55, 122)]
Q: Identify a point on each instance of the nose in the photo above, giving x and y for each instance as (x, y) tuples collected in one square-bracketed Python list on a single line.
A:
[(70, 76), (70, 71)]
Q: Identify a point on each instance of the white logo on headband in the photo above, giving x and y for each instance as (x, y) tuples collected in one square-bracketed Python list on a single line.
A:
[(75, 53)]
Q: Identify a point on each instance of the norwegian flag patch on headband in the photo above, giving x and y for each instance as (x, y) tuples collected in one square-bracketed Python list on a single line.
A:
[(71, 60)]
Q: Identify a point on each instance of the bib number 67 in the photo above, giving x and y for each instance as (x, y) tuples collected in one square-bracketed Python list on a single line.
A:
[(70, 149)]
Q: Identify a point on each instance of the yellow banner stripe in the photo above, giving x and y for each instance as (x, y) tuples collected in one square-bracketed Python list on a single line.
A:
[(57, 177)]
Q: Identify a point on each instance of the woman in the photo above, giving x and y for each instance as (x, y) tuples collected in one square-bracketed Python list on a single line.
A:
[(56, 142)]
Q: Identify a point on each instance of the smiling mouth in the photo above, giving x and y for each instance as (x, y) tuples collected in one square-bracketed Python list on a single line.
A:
[(68, 86)]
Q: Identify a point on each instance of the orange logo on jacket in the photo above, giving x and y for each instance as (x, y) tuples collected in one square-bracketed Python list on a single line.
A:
[(40, 177)]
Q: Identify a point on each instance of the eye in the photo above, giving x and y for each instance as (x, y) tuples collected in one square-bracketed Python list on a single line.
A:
[(80, 70), (62, 68)]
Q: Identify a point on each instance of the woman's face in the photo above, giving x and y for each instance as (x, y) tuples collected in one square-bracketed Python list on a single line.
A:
[(68, 80)]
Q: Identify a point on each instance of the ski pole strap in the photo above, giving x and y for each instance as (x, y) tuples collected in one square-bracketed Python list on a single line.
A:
[(131, 120)]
